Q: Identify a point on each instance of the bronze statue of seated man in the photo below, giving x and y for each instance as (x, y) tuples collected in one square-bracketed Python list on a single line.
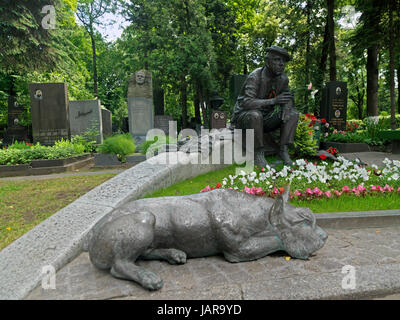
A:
[(265, 104)]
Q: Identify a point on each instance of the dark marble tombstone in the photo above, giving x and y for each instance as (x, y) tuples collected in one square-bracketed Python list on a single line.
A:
[(158, 99), (50, 112), (236, 84), (106, 119), (162, 122), (15, 131), (218, 119), (334, 104)]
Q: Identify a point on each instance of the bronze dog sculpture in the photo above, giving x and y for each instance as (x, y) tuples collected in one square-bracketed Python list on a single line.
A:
[(241, 226)]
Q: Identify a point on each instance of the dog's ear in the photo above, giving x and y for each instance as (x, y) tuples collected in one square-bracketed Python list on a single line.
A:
[(278, 207)]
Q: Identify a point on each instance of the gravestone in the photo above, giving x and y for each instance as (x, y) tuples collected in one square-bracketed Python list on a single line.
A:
[(334, 104), (162, 122), (158, 99), (106, 119), (15, 131), (83, 116), (218, 120), (140, 105), (236, 84), (49, 110)]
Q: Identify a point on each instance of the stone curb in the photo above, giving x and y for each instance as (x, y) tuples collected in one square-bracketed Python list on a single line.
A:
[(359, 220), (59, 239)]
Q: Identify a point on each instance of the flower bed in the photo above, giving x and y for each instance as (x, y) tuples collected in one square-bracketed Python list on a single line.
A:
[(313, 181)]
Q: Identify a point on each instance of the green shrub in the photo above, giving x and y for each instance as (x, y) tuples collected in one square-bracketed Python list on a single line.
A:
[(120, 145), (88, 138), (20, 145), (155, 144), (22, 153), (305, 144)]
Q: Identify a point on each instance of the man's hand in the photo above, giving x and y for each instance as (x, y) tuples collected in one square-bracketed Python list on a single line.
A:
[(284, 98)]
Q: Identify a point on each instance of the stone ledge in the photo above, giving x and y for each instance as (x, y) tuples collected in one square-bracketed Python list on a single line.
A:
[(360, 219)]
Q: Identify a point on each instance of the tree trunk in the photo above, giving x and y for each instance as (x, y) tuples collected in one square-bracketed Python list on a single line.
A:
[(391, 69), (372, 81), (197, 103), (324, 56), (245, 70), (95, 90), (398, 89), (331, 39), (184, 103), (308, 48)]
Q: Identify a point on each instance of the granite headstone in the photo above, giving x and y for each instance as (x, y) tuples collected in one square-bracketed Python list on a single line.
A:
[(162, 122), (83, 116), (15, 131), (218, 120), (334, 104), (140, 105), (106, 119), (49, 111)]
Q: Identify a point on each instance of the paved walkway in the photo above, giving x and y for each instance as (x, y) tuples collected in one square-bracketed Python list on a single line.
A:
[(372, 157), (60, 175), (374, 253)]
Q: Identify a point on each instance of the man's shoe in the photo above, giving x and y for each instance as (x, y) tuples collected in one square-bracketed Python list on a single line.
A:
[(259, 159), (284, 156)]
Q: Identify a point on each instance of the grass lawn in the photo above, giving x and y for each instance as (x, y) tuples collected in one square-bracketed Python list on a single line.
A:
[(25, 204), (342, 204)]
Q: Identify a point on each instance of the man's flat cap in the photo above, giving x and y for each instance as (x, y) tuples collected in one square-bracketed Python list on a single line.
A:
[(280, 51)]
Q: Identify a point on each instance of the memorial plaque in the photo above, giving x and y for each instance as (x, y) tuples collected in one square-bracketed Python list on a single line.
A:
[(140, 104), (162, 122), (334, 104), (49, 111), (106, 119), (84, 115), (218, 120)]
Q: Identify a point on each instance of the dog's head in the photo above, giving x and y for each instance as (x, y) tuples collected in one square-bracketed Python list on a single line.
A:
[(296, 228)]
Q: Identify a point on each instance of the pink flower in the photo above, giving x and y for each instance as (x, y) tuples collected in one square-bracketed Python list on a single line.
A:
[(328, 194), (259, 191), (398, 190), (276, 190), (380, 189), (361, 189), (297, 193), (262, 169), (374, 188), (317, 192), (355, 191), (337, 193), (250, 191), (309, 87), (346, 189), (206, 189), (309, 192), (388, 188)]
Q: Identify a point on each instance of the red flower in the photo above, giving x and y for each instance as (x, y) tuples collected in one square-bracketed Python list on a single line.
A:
[(218, 185), (282, 189), (322, 156), (310, 125), (307, 115), (323, 121)]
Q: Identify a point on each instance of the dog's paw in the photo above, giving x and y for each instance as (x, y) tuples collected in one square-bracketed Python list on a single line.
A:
[(176, 257), (151, 281)]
